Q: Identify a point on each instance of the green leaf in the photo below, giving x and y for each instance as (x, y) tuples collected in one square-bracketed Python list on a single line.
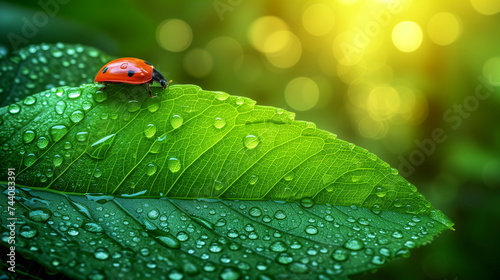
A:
[(36, 68), (196, 184)]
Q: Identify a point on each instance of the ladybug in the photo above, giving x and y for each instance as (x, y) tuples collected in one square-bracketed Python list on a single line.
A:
[(130, 70)]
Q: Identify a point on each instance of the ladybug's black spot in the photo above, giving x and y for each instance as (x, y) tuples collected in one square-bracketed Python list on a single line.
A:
[(147, 62), (105, 69), (130, 73)]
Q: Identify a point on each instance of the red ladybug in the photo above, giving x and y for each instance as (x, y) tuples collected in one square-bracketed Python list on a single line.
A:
[(130, 70)]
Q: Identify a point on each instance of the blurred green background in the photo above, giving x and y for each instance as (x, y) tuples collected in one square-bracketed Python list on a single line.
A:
[(415, 82)]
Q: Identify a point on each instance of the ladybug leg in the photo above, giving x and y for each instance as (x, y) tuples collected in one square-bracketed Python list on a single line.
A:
[(158, 77), (148, 85)]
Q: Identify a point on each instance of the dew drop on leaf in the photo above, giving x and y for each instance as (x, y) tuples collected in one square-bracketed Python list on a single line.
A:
[(28, 136), (14, 108), (151, 169), (312, 230), (176, 121), (168, 240), (82, 136), (340, 255), (74, 92), (219, 95), (307, 202), (150, 130), (76, 116), (255, 212), (253, 179), (30, 100), (29, 159), (101, 253), (99, 149), (219, 123), (27, 231), (278, 246), (174, 164), (58, 131), (39, 215), (42, 142), (251, 141), (57, 160), (354, 244), (133, 106)]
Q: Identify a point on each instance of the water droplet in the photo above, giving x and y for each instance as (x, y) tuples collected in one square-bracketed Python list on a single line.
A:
[(156, 147), (100, 96), (296, 267), (29, 160), (354, 244), (30, 100), (151, 169), (307, 202), (176, 121), (168, 240), (57, 161), (174, 165), (284, 258), (239, 101), (42, 143), (219, 95), (97, 173), (394, 171), (378, 260), (27, 231), (14, 108), (57, 53), (289, 176), (39, 215), (153, 107), (251, 141), (255, 212), (101, 253), (380, 191), (340, 255), (311, 230), (74, 92), (230, 274), (351, 146), (28, 136), (133, 106), (150, 131), (219, 123), (397, 234), (182, 236), (153, 214), (278, 246), (82, 136), (76, 116), (100, 148), (93, 227), (58, 131), (219, 185), (280, 215)]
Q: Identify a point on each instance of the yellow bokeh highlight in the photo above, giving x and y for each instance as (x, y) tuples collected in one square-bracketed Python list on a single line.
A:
[(486, 7), (383, 103), (407, 36), (444, 28), (302, 93), (265, 34), (491, 71), (174, 35), (290, 54), (370, 128), (318, 19), (198, 63)]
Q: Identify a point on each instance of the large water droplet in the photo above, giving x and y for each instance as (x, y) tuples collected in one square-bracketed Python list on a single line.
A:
[(76, 116), (100, 148), (168, 240), (82, 136), (39, 215), (219, 123), (57, 161), (253, 179), (312, 230), (340, 255), (307, 202), (174, 164), (42, 142), (255, 212), (133, 106), (354, 244), (60, 107), (58, 131), (156, 147), (251, 141), (101, 253), (150, 130), (151, 169), (28, 136), (278, 246), (30, 100), (14, 108), (27, 231), (219, 95), (74, 92), (29, 159), (100, 96), (176, 121)]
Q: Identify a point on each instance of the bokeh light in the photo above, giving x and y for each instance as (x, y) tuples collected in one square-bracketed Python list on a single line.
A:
[(174, 35), (407, 36), (318, 19), (491, 71), (444, 28), (198, 62), (486, 7), (302, 93), (266, 34)]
